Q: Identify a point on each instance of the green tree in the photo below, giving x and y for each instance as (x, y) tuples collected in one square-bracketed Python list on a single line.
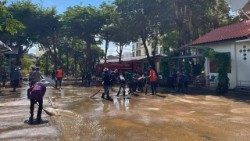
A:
[(108, 30), (27, 62), (224, 66), (84, 23), (50, 33), (144, 20), (7, 22), (191, 19), (28, 14), (120, 37)]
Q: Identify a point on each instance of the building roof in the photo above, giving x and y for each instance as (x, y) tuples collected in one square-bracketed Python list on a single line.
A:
[(233, 31), (4, 48)]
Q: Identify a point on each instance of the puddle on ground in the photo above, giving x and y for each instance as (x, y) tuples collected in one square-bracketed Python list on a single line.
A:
[(143, 117), (241, 110)]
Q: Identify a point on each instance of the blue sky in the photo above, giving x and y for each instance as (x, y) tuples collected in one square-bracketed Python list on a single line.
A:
[(62, 5)]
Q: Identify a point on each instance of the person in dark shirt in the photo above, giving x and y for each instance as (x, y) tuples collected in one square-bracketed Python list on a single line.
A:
[(129, 79), (31, 76), (15, 77), (122, 83), (35, 94), (3, 76), (106, 81)]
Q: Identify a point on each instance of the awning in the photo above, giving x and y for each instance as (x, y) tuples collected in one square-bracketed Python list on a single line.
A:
[(187, 56), (4, 48)]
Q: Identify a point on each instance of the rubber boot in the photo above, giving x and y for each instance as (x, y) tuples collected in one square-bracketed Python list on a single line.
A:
[(39, 119), (103, 94), (109, 98), (31, 120)]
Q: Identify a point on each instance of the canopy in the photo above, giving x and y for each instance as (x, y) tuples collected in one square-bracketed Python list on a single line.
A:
[(4, 48)]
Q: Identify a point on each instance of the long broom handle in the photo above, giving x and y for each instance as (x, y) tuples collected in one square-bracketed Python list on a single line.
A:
[(47, 112), (95, 93)]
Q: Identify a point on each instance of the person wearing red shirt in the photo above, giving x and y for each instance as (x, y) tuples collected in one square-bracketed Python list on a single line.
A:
[(153, 80), (59, 76)]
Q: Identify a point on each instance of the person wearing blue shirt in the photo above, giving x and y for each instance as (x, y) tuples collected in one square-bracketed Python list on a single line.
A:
[(15, 77)]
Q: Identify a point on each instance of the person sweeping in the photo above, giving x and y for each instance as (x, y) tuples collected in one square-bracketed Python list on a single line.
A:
[(35, 94), (106, 84)]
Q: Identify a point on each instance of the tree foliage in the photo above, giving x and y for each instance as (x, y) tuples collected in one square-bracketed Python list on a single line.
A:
[(84, 23), (71, 39), (7, 22), (144, 20), (224, 62), (192, 18), (109, 13)]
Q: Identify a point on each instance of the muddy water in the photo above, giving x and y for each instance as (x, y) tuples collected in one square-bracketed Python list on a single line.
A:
[(144, 117)]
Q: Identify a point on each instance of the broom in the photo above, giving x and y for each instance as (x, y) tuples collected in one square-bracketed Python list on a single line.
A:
[(95, 94), (47, 112)]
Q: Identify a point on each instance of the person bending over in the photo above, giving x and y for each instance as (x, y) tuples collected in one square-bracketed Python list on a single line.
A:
[(35, 95)]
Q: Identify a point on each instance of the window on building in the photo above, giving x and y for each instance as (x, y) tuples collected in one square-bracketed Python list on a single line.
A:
[(133, 54), (138, 53)]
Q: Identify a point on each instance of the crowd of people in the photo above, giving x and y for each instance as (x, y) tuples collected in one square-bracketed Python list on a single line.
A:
[(129, 83), (178, 81), (134, 82)]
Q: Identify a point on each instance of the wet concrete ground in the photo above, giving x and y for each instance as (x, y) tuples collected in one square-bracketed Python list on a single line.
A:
[(141, 118)]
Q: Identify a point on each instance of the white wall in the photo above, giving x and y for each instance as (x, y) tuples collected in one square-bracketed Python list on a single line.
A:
[(240, 68), (224, 47), (243, 66)]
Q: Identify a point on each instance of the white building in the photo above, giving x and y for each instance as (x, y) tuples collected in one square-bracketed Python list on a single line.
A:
[(139, 50), (235, 40), (126, 55)]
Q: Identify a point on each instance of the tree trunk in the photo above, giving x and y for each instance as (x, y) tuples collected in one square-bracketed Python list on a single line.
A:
[(147, 53), (89, 58), (55, 59), (75, 64), (19, 55), (60, 58), (106, 50), (67, 62), (120, 53), (154, 47), (46, 64)]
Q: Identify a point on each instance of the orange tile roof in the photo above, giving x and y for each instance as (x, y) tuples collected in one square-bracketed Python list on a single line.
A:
[(233, 31)]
